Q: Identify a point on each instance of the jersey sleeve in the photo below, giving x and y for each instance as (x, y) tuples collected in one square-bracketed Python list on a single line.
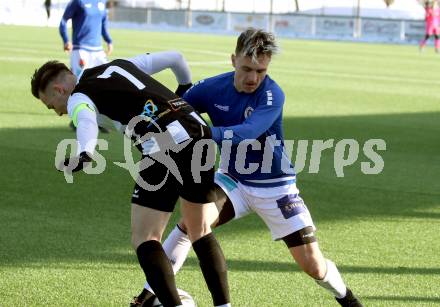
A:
[(152, 63), (269, 108), (82, 112), (196, 96), (105, 33), (69, 12), (143, 62)]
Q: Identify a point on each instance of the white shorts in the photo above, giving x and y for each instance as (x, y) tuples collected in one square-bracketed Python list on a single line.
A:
[(281, 208), (81, 59)]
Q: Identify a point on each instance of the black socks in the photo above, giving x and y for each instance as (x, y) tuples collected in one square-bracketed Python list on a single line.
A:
[(159, 273), (213, 265)]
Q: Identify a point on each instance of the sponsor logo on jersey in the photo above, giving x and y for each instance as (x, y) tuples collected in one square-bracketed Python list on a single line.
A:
[(149, 109), (220, 107), (248, 111), (177, 103)]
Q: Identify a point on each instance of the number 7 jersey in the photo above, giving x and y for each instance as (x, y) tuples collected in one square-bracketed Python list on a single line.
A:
[(119, 91)]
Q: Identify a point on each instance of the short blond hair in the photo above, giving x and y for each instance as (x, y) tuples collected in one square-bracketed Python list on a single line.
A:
[(256, 42)]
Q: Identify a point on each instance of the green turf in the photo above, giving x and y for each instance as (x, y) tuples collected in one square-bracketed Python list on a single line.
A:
[(69, 244)]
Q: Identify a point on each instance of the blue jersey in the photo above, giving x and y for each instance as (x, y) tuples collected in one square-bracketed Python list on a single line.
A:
[(256, 116), (89, 23)]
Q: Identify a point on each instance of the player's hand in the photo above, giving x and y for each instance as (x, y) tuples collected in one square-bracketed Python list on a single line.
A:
[(109, 49), (68, 47), (75, 164)]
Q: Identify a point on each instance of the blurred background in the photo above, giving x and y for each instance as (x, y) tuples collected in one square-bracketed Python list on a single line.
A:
[(394, 21)]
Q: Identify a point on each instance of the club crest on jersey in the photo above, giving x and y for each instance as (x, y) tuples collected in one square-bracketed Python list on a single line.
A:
[(101, 6), (248, 111), (149, 109), (177, 103)]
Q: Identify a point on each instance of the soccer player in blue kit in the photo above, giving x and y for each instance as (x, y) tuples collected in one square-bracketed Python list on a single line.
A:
[(89, 24), (245, 107)]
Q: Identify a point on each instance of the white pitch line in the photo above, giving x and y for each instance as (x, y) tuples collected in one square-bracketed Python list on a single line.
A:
[(39, 59), (209, 63), (355, 76), (21, 59), (202, 51)]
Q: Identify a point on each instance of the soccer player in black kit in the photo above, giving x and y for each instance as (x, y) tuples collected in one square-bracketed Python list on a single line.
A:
[(165, 128)]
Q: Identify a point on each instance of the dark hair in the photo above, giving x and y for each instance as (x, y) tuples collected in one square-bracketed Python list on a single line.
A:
[(44, 75), (255, 42)]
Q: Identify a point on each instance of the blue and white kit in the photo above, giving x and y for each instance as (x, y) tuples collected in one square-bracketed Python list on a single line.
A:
[(89, 24), (255, 173)]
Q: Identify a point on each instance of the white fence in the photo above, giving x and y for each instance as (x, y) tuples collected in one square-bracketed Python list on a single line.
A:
[(286, 25)]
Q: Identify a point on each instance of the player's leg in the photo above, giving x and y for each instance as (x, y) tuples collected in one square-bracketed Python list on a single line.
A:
[(306, 252), (197, 215), (177, 244), (147, 226), (151, 210), (211, 259), (98, 58), (436, 42), (288, 218), (423, 41), (196, 212)]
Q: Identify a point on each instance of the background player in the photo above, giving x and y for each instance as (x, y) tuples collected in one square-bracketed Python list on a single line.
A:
[(47, 6), (89, 24), (432, 24)]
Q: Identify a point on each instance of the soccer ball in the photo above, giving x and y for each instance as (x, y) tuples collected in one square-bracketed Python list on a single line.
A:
[(187, 300)]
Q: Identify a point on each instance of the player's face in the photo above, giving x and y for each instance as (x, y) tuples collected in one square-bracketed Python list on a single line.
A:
[(249, 75), (57, 93)]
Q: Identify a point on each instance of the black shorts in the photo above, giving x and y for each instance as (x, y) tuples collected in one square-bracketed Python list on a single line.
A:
[(161, 188)]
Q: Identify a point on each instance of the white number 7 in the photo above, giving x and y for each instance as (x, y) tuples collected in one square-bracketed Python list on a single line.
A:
[(111, 69)]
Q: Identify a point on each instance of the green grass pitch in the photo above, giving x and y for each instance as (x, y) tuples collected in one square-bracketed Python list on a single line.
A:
[(69, 244)]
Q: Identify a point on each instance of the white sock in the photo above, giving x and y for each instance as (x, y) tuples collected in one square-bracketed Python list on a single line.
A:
[(224, 305), (176, 246), (333, 281)]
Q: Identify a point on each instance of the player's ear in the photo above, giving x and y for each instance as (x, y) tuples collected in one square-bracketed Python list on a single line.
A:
[(233, 60), (58, 88)]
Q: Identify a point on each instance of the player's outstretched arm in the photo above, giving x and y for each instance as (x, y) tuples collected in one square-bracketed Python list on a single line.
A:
[(152, 63)]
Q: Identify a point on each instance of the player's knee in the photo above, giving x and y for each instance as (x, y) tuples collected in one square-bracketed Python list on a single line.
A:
[(138, 238), (182, 226), (197, 231), (195, 234)]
